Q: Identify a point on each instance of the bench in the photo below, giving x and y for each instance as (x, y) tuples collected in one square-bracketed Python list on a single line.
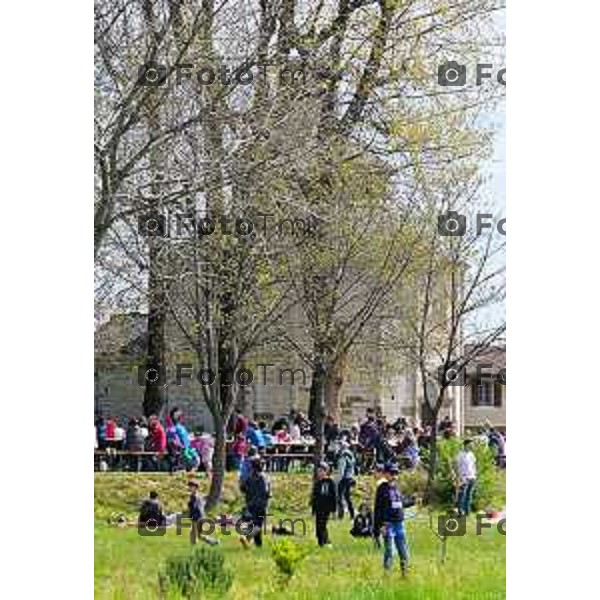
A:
[(128, 459), (288, 461)]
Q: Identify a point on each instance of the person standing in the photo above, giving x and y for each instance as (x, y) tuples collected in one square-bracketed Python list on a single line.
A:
[(119, 435), (389, 519), (345, 472), (241, 422), (157, 440), (246, 466), (497, 445), (467, 476), (134, 440), (196, 514), (101, 433), (239, 450), (255, 437), (380, 477), (323, 502), (195, 510), (257, 491)]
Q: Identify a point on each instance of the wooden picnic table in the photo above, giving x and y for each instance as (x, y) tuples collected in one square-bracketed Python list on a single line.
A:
[(136, 457)]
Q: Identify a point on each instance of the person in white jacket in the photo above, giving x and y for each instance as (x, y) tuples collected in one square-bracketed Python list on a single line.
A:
[(466, 464)]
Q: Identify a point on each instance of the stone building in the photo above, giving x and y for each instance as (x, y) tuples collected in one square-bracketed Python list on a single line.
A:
[(276, 389)]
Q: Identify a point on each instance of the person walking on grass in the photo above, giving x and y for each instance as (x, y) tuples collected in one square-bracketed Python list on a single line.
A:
[(466, 464), (389, 519), (196, 514), (323, 503), (257, 491)]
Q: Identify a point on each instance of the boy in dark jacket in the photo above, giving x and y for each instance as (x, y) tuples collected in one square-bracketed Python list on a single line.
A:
[(323, 502), (257, 491), (195, 511), (389, 519)]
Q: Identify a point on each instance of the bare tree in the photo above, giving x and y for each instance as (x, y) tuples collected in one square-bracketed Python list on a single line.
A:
[(456, 312)]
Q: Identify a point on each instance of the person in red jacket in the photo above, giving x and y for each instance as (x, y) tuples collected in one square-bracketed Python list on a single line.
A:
[(157, 438), (110, 428)]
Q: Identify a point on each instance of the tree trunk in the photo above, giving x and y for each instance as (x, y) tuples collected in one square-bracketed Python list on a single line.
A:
[(154, 395), (312, 402), (318, 385), (433, 456), (333, 390), (219, 459)]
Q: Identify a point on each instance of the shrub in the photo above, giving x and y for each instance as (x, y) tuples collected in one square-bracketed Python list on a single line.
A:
[(287, 556), (202, 571), (413, 482), (487, 490)]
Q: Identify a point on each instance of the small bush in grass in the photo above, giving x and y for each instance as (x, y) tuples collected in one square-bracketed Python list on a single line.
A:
[(202, 571), (287, 556)]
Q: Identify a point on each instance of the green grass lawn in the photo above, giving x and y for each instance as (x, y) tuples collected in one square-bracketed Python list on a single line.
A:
[(127, 565)]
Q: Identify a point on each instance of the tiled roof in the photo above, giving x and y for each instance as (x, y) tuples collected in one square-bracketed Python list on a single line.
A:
[(494, 355)]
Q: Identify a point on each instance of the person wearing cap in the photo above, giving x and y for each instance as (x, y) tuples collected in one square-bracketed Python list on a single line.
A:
[(389, 519), (323, 502)]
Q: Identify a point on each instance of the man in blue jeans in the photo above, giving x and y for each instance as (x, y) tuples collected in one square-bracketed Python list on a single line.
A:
[(467, 476), (389, 519)]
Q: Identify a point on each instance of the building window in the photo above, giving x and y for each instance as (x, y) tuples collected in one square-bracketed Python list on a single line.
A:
[(484, 394), (487, 394)]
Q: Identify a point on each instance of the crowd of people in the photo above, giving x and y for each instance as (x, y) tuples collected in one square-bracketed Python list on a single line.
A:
[(372, 441), (183, 450), (385, 524), (332, 490)]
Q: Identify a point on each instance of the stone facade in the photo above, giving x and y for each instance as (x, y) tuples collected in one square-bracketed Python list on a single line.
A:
[(485, 401), (397, 392)]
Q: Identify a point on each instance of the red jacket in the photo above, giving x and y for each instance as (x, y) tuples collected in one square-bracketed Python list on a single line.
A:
[(158, 437), (110, 428)]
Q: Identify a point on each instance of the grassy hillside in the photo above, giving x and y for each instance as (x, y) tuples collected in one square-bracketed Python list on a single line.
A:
[(127, 565)]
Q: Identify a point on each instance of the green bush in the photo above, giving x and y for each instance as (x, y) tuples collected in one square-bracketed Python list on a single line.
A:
[(488, 489), (287, 556), (191, 576), (413, 482)]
